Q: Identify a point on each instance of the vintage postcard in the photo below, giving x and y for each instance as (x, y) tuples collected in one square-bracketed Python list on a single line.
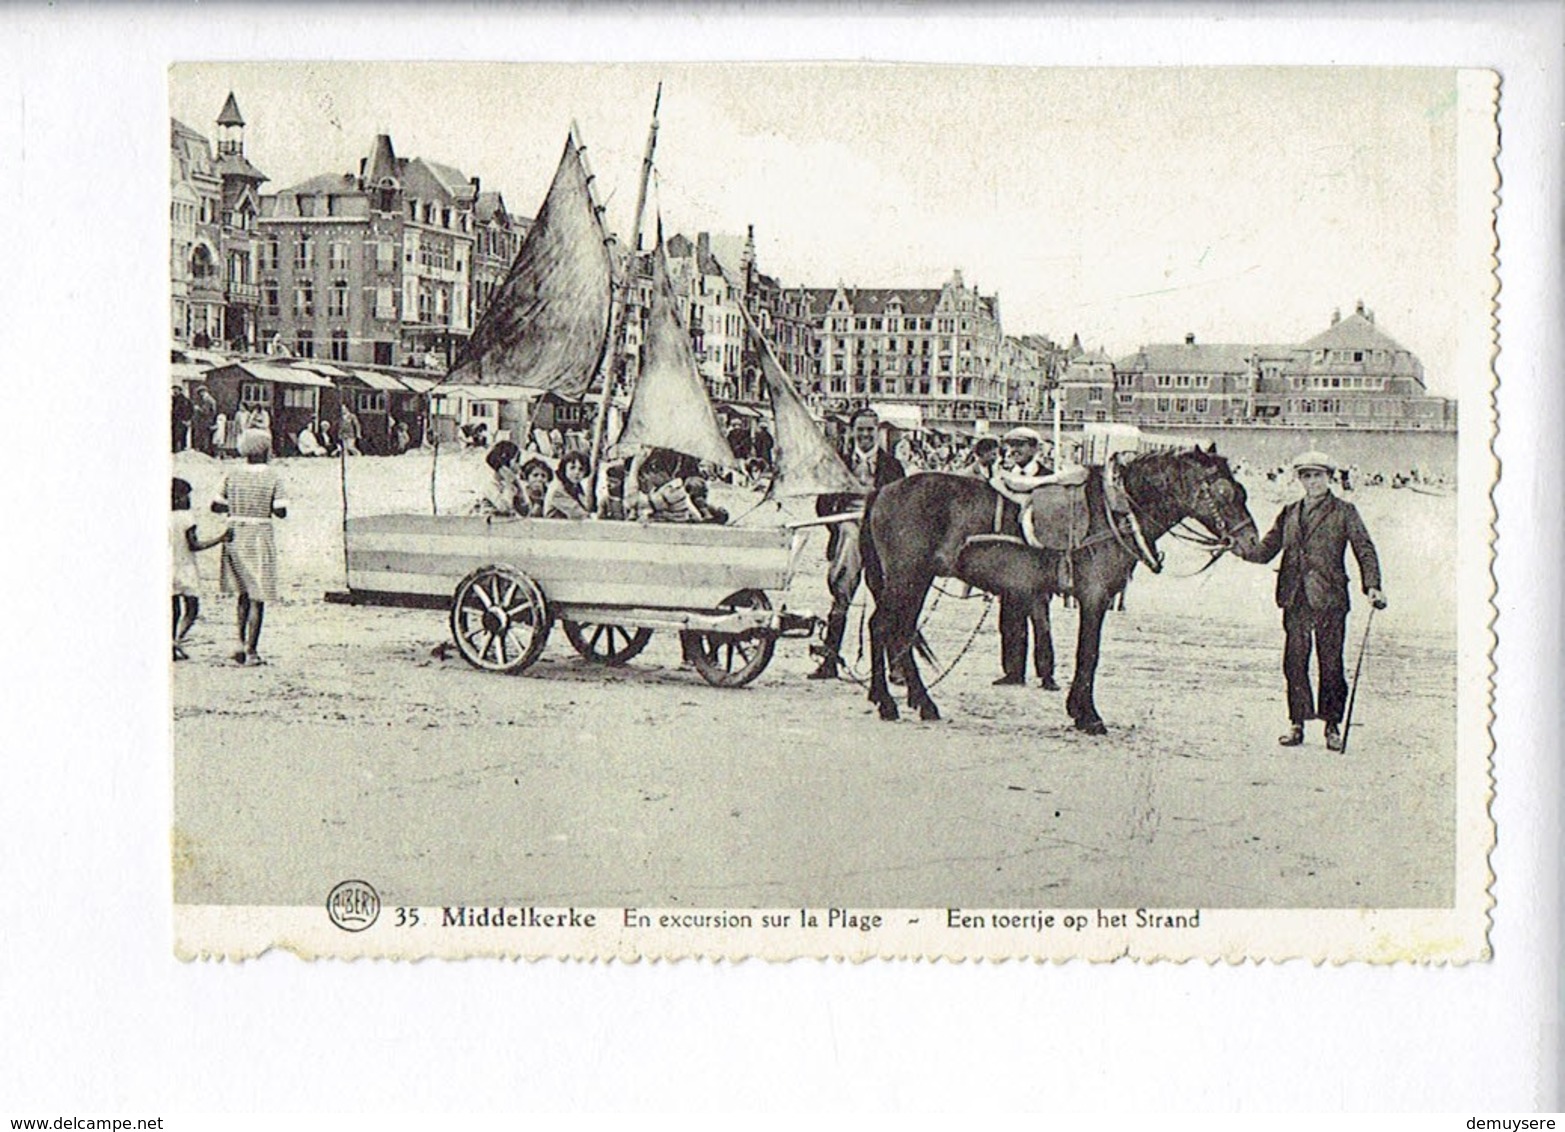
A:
[(784, 510)]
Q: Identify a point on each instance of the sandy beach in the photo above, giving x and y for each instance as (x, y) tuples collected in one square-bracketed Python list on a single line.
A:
[(358, 751)]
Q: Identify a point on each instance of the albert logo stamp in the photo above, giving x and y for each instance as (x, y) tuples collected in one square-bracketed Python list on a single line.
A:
[(353, 905)]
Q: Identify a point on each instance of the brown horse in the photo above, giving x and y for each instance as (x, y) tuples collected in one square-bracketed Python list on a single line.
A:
[(939, 525)]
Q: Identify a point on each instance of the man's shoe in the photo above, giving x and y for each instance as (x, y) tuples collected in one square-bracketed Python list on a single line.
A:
[(1009, 681), (1293, 737), (1333, 737), (826, 671)]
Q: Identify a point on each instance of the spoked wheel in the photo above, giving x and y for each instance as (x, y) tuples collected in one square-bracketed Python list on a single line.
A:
[(606, 644), (499, 619), (732, 660)]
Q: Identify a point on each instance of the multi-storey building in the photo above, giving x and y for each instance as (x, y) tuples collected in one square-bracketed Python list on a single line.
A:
[(497, 238), (1031, 364), (438, 242), (936, 349), (1351, 375), (214, 200), (1185, 383), (195, 255), (378, 266), (712, 300), (241, 207)]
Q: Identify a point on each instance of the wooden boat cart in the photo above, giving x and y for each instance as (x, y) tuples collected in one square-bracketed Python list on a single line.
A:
[(609, 584)]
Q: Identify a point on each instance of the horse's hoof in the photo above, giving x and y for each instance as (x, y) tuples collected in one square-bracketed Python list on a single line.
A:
[(1048, 684), (928, 713), (889, 712), (1092, 726)]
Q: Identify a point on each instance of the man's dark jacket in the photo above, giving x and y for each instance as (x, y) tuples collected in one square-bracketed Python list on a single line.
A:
[(1312, 548), (888, 469)]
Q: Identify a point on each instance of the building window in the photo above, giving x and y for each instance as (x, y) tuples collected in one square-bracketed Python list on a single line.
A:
[(304, 253), (1200, 404), (304, 300), (271, 301), (305, 341), (370, 401), (385, 256), (339, 345), (337, 255), (1162, 404), (253, 393), (298, 397), (268, 255), (338, 304)]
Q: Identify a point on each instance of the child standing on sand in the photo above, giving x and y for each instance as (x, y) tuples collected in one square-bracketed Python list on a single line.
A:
[(183, 545), (253, 495)]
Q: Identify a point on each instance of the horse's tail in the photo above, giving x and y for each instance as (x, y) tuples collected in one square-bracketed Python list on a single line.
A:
[(874, 573), (920, 648)]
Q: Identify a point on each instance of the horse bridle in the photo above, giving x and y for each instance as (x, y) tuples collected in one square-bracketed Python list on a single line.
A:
[(1216, 544)]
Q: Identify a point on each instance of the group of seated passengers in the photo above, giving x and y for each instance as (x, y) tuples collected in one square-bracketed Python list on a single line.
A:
[(648, 491)]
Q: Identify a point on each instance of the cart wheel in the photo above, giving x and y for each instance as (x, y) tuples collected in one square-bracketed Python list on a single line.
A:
[(499, 619), (732, 660), (606, 644)]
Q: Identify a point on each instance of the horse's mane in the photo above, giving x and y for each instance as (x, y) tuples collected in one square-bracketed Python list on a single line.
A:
[(1203, 455)]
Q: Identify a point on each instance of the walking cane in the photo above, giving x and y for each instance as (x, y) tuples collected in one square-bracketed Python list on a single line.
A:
[(1347, 721)]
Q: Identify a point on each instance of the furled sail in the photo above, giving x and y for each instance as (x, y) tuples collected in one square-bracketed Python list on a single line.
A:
[(669, 408), (806, 463), (548, 325)]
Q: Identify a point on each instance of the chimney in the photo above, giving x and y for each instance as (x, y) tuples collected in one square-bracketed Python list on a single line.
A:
[(1189, 339), (1336, 315), (703, 247), (1358, 307)]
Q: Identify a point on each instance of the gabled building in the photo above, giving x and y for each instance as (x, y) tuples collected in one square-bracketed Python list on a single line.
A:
[(213, 203), (378, 266), (241, 209), (936, 349), (1086, 388), (497, 237), (195, 241), (1353, 374), (1186, 383), (712, 297)]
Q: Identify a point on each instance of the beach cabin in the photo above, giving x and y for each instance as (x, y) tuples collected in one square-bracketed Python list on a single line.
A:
[(290, 394), (456, 407)]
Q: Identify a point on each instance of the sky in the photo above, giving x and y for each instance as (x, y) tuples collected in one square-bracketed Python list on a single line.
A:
[(1126, 206)]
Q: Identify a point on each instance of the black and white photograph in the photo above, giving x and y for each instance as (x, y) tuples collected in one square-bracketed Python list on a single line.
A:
[(726, 510)]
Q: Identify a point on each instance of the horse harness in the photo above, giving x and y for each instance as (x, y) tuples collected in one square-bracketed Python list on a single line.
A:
[(1124, 527)]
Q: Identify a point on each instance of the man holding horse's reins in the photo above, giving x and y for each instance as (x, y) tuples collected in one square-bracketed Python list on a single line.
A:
[(1313, 534), (874, 468)]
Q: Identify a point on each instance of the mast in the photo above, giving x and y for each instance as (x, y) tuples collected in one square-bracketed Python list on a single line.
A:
[(617, 339)]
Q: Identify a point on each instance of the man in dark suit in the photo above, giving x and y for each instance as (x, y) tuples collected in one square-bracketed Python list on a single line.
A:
[(1022, 465), (1312, 591), (874, 468)]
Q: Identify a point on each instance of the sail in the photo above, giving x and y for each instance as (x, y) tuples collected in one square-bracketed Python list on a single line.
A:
[(548, 324), (806, 463), (669, 408)]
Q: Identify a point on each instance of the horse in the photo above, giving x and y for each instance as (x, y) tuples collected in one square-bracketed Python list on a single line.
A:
[(942, 525)]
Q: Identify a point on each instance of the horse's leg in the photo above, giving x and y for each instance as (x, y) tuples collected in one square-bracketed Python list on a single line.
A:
[(917, 694), (879, 694), (1093, 605)]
